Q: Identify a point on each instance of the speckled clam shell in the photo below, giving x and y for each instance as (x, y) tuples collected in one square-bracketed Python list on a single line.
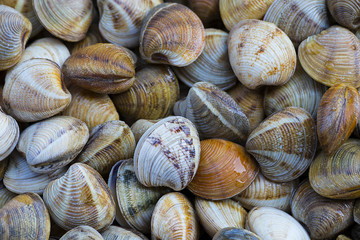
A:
[(118, 233), (356, 211), (216, 215), (212, 65), (172, 34), (120, 21), (323, 217), (174, 218), (332, 57), (66, 19), (207, 10), (34, 90), (261, 54), (15, 30), (299, 19), (141, 126), (25, 215), (168, 154), (345, 12), (232, 233), (284, 144), (5, 195), (225, 170), (9, 134), (80, 197), (92, 37), (52, 143), (82, 233)]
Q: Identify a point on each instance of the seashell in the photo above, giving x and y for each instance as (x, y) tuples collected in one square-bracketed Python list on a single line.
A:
[(300, 91), (80, 197), (9, 134), (337, 116), (216, 215), (19, 178), (102, 68), (213, 61), (225, 170), (65, 19), (336, 175), (3, 167), (332, 57), (214, 113), (342, 237), (141, 126), (284, 144), (250, 102), (118, 233), (25, 215), (263, 192), (91, 108), (174, 218), (357, 211), (181, 38), (233, 11), (207, 10), (168, 154), (120, 21), (2, 105), (235, 234), (345, 12), (52, 143), (92, 37), (261, 54), (135, 202), (152, 96), (271, 223), (323, 217), (34, 90), (5, 194), (82, 233), (15, 31), (299, 19)]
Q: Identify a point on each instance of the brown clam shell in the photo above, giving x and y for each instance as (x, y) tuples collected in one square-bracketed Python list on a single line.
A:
[(345, 12), (207, 10)]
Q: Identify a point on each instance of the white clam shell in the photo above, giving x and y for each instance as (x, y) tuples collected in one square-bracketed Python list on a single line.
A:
[(9, 134)]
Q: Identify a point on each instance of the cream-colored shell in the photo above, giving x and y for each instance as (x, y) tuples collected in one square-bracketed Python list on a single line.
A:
[(82, 233), (141, 126), (9, 134)]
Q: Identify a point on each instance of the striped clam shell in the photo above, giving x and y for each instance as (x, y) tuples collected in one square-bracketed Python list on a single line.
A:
[(9, 134), (82, 233), (5, 194), (118, 233), (345, 12), (141, 126), (232, 233), (92, 37)]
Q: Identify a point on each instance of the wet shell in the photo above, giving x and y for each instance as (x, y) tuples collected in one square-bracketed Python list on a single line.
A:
[(80, 197), (207, 10), (65, 19), (172, 34), (53, 143), (34, 90), (357, 211), (15, 30), (284, 144), (345, 12), (323, 217), (216, 215), (5, 195), (225, 170), (92, 37), (332, 57), (261, 54), (235, 234), (25, 215), (118, 233), (168, 154), (82, 233), (174, 218), (141, 126), (299, 19), (9, 134)]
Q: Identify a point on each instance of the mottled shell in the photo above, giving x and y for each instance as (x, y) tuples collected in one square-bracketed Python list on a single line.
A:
[(153, 95), (174, 218), (172, 34), (284, 144), (332, 57), (15, 30), (5, 195), (102, 68), (225, 170), (120, 21), (141, 126), (323, 217), (261, 54), (299, 19), (80, 197), (52, 143), (65, 19), (118, 233), (207, 10), (345, 12), (25, 215), (212, 65), (34, 90), (9, 134), (356, 211), (168, 154), (216, 215), (82, 233), (92, 37), (235, 234)]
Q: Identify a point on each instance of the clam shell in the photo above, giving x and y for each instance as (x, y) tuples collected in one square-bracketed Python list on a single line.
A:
[(82, 233), (5, 194), (141, 126), (92, 37), (345, 12), (118, 233), (9, 134), (357, 211), (207, 10), (3, 167), (235, 234)]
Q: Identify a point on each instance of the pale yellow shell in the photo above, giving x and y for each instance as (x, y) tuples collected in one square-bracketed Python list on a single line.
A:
[(9, 134)]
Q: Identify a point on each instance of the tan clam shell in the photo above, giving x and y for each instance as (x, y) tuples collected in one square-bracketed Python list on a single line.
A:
[(15, 31), (9, 134), (5, 194), (345, 12), (172, 34), (260, 53), (332, 57), (52, 143), (82, 233), (342, 237), (92, 37), (168, 154), (118, 233), (25, 215), (80, 197), (34, 90), (207, 10), (65, 19), (284, 144), (141, 126), (216, 215)]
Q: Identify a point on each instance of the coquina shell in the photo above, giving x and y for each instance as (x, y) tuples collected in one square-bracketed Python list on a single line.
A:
[(82, 233), (9, 134), (346, 13)]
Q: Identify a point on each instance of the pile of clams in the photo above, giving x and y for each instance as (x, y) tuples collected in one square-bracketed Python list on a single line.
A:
[(180, 120)]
